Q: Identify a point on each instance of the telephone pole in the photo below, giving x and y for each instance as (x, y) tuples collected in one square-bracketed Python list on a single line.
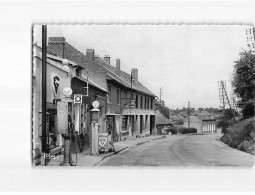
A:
[(161, 94), (188, 115), (44, 84)]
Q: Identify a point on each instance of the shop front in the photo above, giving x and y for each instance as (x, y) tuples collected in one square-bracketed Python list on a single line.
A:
[(58, 78)]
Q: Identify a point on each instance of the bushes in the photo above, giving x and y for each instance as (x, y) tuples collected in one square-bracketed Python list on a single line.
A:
[(181, 130), (225, 124), (241, 136)]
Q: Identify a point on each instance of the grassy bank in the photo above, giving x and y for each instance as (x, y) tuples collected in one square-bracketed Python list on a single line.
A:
[(241, 136)]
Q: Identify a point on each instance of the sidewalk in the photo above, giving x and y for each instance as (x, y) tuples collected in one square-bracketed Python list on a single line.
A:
[(85, 159)]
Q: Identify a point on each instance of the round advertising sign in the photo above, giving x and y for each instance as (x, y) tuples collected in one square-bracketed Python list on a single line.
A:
[(95, 104), (67, 91)]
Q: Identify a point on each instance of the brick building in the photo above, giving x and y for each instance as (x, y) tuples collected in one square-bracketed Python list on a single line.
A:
[(112, 88), (129, 122)]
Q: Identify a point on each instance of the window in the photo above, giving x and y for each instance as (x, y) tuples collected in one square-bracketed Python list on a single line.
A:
[(141, 102), (136, 101), (77, 72), (151, 103), (145, 101), (118, 96), (109, 94)]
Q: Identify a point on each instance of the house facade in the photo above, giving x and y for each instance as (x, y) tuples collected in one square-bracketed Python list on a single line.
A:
[(58, 78), (131, 121), (204, 122), (116, 115), (162, 123)]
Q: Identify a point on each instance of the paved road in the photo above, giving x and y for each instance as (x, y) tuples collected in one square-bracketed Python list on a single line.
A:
[(183, 150)]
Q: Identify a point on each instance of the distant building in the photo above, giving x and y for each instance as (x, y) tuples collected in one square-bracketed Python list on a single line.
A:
[(203, 121), (162, 122)]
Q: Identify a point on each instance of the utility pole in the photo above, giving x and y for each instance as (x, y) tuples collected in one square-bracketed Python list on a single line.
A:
[(44, 84), (160, 94), (188, 115), (250, 36)]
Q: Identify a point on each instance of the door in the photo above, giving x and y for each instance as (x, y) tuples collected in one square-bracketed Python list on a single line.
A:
[(132, 124), (152, 123), (110, 124), (141, 124)]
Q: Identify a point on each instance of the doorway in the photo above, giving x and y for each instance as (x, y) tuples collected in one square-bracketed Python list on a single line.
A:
[(110, 125), (141, 124), (152, 123)]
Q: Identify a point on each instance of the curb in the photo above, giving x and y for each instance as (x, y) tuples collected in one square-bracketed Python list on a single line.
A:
[(126, 147), (110, 154), (159, 137), (140, 143)]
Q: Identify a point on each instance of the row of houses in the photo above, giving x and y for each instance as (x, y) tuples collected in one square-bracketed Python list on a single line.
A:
[(97, 79), (203, 121)]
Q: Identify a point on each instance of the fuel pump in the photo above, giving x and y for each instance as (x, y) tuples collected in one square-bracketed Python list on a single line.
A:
[(66, 127), (95, 128)]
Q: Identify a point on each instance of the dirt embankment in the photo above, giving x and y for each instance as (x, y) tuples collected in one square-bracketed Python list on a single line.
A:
[(241, 136)]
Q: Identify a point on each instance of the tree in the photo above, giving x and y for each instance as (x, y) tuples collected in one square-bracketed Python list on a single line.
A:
[(244, 82), (163, 110), (229, 114), (226, 120)]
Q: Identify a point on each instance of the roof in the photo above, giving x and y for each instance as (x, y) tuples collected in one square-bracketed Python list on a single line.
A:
[(55, 57), (161, 119), (193, 119), (51, 58), (124, 78), (99, 71), (199, 118)]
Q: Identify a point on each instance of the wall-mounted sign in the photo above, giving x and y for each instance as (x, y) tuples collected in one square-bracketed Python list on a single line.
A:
[(78, 98), (55, 82), (132, 103)]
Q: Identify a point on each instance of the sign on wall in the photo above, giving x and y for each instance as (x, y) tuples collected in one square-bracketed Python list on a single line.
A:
[(78, 98), (57, 81)]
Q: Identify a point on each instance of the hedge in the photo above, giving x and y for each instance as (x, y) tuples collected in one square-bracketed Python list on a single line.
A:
[(182, 130)]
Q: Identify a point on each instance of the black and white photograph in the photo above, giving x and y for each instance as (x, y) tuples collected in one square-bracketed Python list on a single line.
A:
[(143, 95), (133, 96)]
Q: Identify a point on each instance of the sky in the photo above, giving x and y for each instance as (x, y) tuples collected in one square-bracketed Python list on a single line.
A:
[(187, 61)]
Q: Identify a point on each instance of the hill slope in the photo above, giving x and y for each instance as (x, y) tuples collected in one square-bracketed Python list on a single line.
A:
[(241, 136)]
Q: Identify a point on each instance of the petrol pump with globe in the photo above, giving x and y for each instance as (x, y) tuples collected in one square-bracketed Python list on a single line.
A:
[(95, 128), (64, 124)]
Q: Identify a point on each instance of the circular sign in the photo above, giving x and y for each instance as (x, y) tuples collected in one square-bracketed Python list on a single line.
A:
[(95, 104), (77, 98), (67, 91)]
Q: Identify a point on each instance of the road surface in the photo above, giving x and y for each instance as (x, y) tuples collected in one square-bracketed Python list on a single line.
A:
[(182, 150)]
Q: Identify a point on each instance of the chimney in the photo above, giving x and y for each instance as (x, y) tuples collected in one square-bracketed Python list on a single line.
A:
[(107, 59), (96, 57), (134, 73), (56, 46), (56, 40), (117, 70), (90, 53)]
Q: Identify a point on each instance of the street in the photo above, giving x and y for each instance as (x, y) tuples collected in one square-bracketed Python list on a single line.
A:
[(182, 150)]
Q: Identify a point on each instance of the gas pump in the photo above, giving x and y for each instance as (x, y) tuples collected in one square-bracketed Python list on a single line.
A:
[(66, 127), (95, 128)]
